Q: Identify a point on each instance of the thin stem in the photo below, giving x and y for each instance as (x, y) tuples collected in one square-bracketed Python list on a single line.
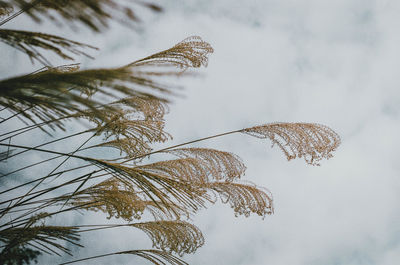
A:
[(183, 144), (15, 114), (19, 12), (46, 143), (48, 200), (101, 227), (33, 181), (59, 165), (15, 224), (11, 17), (41, 181), (48, 151), (41, 192), (148, 254), (93, 257), (31, 127), (38, 163), (37, 149)]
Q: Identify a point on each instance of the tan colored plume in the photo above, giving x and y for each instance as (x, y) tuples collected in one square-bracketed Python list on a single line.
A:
[(173, 236), (311, 141)]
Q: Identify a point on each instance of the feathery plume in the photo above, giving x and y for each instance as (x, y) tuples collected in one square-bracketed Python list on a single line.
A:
[(184, 169), (145, 107), (173, 236), (118, 124), (311, 141), (191, 52), (221, 165), (121, 200), (112, 197), (94, 14), (130, 146), (29, 42), (244, 198), (132, 138), (44, 236), (157, 187)]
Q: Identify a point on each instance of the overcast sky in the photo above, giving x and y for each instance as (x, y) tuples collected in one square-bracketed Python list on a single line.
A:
[(330, 62)]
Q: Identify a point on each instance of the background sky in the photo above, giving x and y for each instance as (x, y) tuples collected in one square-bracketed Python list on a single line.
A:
[(330, 62)]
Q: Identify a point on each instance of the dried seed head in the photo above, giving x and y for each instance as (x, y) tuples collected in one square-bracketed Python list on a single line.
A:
[(111, 197), (220, 165), (94, 14), (31, 42), (191, 52), (311, 141), (244, 198), (44, 235), (199, 165), (173, 236)]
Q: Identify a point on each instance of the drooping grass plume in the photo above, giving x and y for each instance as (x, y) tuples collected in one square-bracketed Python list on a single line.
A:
[(311, 141), (187, 180), (244, 198), (122, 130), (157, 187), (184, 169), (148, 108), (131, 147), (94, 14), (173, 236), (31, 43), (113, 197), (41, 237), (120, 200), (220, 164), (191, 52)]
